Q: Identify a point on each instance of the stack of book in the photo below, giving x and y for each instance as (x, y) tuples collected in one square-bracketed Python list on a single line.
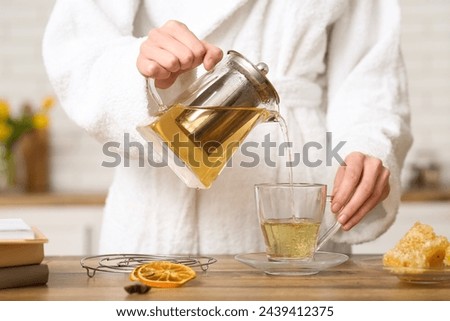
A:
[(21, 255)]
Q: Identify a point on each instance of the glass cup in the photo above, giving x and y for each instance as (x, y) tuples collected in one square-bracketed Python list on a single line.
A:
[(290, 216)]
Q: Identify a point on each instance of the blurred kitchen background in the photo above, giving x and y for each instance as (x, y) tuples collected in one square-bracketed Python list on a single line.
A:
[(67, 203)]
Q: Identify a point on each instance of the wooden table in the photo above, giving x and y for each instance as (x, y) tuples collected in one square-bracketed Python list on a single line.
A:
[(228, 280)]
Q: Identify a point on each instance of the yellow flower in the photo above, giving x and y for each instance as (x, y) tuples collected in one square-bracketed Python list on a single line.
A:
[(5, 131), (47, 103), (4, 109), (40, 121)]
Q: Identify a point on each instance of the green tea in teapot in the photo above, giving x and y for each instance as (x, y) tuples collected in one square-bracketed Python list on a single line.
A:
[(210, 118), (205, 138)]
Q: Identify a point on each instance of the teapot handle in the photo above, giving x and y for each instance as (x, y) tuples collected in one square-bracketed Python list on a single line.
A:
[(153, 94), (329, 233)]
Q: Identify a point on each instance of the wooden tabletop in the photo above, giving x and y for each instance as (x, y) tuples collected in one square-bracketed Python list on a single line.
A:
[(98, 199), (227, 280)]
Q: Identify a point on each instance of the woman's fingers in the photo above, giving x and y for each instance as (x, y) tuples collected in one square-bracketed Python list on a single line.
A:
[(371, 169), (162, 57), (165, 83), (212, 56), (175, 37), (350, 180), (161, 54), (367, 207), (171, 50), (337, 182), (359, 186), (194, 50), (152, 69)]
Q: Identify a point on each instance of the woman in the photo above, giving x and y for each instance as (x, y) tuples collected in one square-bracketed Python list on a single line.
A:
[(335, 64)]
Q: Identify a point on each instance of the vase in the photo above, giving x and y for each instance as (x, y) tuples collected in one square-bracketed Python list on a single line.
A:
[(8, 179)]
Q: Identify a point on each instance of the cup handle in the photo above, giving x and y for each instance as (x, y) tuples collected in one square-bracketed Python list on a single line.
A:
[(153, 94), (331, 231)]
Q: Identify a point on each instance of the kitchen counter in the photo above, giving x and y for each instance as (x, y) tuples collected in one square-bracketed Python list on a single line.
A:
[(427, 195), (98, 199), (51, 199), (228, 279)]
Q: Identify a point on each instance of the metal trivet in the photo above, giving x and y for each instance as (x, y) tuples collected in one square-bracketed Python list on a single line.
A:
[(125, 263)]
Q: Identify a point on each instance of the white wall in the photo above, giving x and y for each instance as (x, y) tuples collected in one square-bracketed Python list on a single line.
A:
[(426, 48), (76, 158)]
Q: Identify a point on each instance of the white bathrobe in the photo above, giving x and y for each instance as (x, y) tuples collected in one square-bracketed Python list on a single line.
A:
[(336, 65)]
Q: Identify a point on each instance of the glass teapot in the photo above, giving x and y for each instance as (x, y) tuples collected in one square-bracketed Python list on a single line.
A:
[(200, 132)]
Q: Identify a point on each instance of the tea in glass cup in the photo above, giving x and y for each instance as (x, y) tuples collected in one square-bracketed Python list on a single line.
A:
[(290, 216)]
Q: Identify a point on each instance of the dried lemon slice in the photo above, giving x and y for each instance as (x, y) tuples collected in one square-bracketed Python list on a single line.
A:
[(162, 274), (133, 274)]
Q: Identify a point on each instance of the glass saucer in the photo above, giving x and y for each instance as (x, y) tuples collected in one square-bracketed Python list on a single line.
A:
[(408, 274), (321, 261)]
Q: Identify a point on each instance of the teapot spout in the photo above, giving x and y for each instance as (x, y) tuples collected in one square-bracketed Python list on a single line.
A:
[(274, 117), (273, 113)]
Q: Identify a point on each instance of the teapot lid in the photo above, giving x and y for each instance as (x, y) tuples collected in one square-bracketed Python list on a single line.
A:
[(255, 75)]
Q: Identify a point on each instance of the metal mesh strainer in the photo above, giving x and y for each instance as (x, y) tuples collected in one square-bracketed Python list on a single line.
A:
[(125, 263)]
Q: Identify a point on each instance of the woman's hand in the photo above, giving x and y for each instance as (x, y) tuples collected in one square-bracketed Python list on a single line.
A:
[(358, 187), (171, 50)]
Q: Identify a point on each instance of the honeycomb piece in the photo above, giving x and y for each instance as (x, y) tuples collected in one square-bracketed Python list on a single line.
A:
[(419, 248), (447, 256)]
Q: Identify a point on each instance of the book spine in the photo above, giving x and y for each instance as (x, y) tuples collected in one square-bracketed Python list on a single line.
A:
[(27, 275)]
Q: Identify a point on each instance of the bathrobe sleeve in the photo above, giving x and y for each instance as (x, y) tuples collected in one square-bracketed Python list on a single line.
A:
[(367, 99), (90, 56)]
